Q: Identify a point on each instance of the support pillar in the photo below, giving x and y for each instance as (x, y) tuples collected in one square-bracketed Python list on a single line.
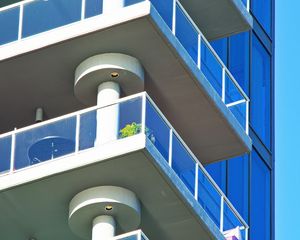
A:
[(103, 228)]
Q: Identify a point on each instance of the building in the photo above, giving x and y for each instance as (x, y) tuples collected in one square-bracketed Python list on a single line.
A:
[(136, 119)]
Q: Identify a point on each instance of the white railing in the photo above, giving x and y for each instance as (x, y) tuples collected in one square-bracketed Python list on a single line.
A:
[(138, 234), (143, 110)]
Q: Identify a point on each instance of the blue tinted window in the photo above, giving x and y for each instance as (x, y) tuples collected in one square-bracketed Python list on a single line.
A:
[(260, 91), (40, 16), (218, 173), (260, 199), (262, 12), (5, 153), (239, 59), (9, 30), (238, 182), (220, 46)]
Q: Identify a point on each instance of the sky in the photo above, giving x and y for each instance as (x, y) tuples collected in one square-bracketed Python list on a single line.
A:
[(287, 126)]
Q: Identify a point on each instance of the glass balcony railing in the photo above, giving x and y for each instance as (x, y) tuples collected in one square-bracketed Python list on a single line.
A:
[(135, 235), (137, 114), (31, 17)]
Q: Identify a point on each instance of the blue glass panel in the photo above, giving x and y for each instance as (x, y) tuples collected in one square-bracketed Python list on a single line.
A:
[(239, 111), (87, 134), (209, 198), (218, 173), (238, 184), (260, 215), (130, 114), (157, 130), (40, 16), (93, 8), (5, 153), (211, 68), (232, 93), (230, 219), (186, 34), (239, 59), (9, 30), (131, 2), (45, 143), (263, 12), (135, 237), (183, 164), (260, 104), (220, 46), (165, 9)]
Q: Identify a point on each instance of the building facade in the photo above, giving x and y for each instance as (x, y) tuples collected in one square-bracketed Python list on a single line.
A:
[(250, 58), (137, 119)]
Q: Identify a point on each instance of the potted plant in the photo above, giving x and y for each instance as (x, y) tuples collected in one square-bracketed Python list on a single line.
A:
[(135, 128)]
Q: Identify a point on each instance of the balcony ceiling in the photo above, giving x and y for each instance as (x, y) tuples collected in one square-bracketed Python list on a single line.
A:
[(219, 18), (39, 71)]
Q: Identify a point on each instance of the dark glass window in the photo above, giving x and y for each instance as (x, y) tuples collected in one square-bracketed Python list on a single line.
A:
[(239, 59), (218, 173), (220, 46), (260, 91), (260, 199), (238, 182), (262, 12)]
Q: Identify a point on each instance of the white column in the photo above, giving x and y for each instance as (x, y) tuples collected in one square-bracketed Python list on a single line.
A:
[(112, 5), (107, 117), (103, 228)]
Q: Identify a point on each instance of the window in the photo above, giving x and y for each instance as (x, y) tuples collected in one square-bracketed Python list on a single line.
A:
[(239, 59), (260, 92), (262, 12), (260, 199), (238, 184)]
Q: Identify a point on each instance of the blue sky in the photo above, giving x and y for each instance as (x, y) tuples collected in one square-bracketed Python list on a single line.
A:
[(287, 125)]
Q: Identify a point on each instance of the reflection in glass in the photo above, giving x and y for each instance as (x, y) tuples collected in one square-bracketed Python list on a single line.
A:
[(186, 34), (260, 104), (40, 16), (183, 164), (5, 153), (9, 30), (45, 143)]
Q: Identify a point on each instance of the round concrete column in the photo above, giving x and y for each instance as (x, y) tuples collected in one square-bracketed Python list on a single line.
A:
[(112, 5), (103, 228), (98, 213), (107, 117), (109, 72)]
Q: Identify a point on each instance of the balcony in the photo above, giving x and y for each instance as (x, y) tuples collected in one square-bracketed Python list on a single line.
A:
[(220, 18), (184, 75), (147, 156)]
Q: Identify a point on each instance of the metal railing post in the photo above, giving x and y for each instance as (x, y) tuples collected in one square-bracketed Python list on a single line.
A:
[(174, 17), (223, 84), (170, 147), (77, 133), (83, 9), (144, 98), (12, 151), (222, 214), (196, 180), (199, 51), (247, 117), (21, 14)]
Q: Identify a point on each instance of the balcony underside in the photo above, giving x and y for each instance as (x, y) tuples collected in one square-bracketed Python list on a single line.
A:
[(34, 202), (39, 71), (219, 18)]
